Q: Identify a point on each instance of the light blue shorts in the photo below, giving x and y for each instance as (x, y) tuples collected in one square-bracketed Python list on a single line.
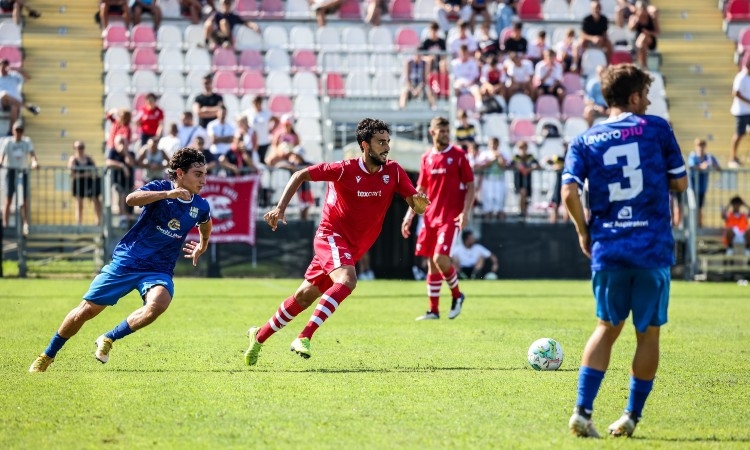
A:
[(645, 292), (111, 285)]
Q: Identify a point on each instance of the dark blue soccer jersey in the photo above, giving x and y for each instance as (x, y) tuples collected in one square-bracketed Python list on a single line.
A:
[(155, 241), (628, 162)]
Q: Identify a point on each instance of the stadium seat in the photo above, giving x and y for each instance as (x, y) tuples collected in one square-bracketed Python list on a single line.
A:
[(275, 36), (301, 37), (496, 125), (305, 83), (466, 102), (297, 9), (145, 81), (401, 10), (194, 82), (139, 99), (580, 9), (12, 54), (172, 82), (280, 104), (117, 100), (117, 81), (424, 10), (223, 59), (169, 36), (193, 36), (171, 60), (385, 85), (358, 84), (573, 127), (225, 82), (277, 59), (278, 83), (198, 59), (173, 104), (115, 35), (743, 43), (608, 8), (407, 39), (550, 147), (252, 82), (354, 39), (271, 9), (306, 105), (658, 107), (737, 11), (304, 60), (522, 129), (350, 10), (332, 62), (232, 104), (621, 37), (251, 59), (621, 57), (328, 39), (144, 58), (142, 35), (309, 128), (555, 10), (591, 58), (520, 106), (530, 11), (334, 85), (10, 33), (572, 83), (547, 106), (170, 9), (380, 39), (573, 106), (244, 38), (247, 8), (546, 121), (357, 61), (385, 62), (116, 58), (657, 84)]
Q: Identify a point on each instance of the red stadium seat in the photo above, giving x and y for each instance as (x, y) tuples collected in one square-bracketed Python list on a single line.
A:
[(252, 82), (401, 10), (737, 10), (272, 9), (225, 82), (530, 10), (280, 104), (621, 57), (247, 8), (115, 35), (407, 39), (142, 35), (304, 60), (223, 59), (547, 106), (144, 58), (12, 54), (522, 129), (572, 83), (334, 85), (349, 10), (743, 43), (251, 59), (573, 106), (466, 102)]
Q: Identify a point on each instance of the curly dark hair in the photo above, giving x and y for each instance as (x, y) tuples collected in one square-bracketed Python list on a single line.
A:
[(366, 128), (184, 159), (621, 80)]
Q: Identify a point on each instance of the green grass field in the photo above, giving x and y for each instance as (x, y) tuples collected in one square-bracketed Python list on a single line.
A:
[(377, 378)]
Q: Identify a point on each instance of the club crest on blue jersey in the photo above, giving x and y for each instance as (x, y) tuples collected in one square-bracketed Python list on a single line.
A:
[(174, 224), (193, 212), (386, 179)]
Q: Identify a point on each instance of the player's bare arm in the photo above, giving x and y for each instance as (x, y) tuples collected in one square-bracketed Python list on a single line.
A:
[(193, 250), (573, 203), (678, 184), (276, 215), (140, 198), (463, 219)]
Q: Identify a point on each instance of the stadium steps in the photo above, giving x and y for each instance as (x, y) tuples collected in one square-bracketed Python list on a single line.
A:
[(714, 264), (44, 252), (698, 69)]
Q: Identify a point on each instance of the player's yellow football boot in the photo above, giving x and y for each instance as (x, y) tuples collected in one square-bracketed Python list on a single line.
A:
[(252, 353), (41, 363)]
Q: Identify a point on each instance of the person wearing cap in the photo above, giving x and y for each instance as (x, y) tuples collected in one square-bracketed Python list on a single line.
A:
[(284, 139), (17, 155), (206, 104), (11, 81)]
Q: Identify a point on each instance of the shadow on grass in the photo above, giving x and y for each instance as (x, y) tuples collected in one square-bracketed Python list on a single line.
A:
[(691, 439), (347, 370)]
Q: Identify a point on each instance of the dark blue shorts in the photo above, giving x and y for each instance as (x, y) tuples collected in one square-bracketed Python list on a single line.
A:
[(111, 285), (645, 292)]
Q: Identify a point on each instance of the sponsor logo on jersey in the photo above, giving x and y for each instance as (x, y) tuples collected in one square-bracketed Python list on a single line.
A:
[(167, 232), (348, 255), (386, 179), (619, 135), (438, 171), (625, 213), (174, 224), (369, 193)]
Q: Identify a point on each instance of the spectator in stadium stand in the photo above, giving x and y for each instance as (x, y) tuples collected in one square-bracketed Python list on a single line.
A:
[(262, 121), (440, 81), (524, 163), (120, 126), (219, 27), (192, 9), (152, 160), (433, 46), (188, 131), (170, 142), (520, 75), (466, 134), (535, 50), (596, 104), (121, 163), (740, 109), (465, 70), (492, 78), (16, 7), (140, 7), (565, 49), (150, 119), (623, 10), (18, 157), (85, 181), (11, 98), (487, 45), (248, 135), (594, 32), (700, 163), (285, 138), (447, 11), (505, 14), (479, 8), (491, 164), (207, 104), (736, 230), (237, 161), (645, 22), (220, 133), (556, 163), (548, 76), (375, 11), (415, 81), (212, 164), (115, 8), (463, 37), (322, 8), (296, 161), (515, 41)]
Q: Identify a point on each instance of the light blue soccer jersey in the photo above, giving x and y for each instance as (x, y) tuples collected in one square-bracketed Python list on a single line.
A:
[(628, 162), (155, 241)]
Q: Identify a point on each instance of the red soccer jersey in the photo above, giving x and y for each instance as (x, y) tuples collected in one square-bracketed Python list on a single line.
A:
[(443, 176), (150, 119), (357, 200)]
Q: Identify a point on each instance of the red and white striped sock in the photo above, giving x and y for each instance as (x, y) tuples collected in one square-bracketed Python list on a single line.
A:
[(451, 277), (329, 301), (434, 282), (287, 311)]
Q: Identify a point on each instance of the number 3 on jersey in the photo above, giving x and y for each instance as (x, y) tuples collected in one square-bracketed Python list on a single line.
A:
[(630, 171)]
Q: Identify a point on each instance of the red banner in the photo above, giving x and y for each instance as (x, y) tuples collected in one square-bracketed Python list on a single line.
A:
[(234, 205)]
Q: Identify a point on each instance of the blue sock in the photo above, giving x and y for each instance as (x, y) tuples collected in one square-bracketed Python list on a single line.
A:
[(55, 344), (639, 390), (120, 331), (589, 381)]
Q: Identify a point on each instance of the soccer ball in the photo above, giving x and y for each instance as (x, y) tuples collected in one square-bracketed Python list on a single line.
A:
[(545, 354)]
